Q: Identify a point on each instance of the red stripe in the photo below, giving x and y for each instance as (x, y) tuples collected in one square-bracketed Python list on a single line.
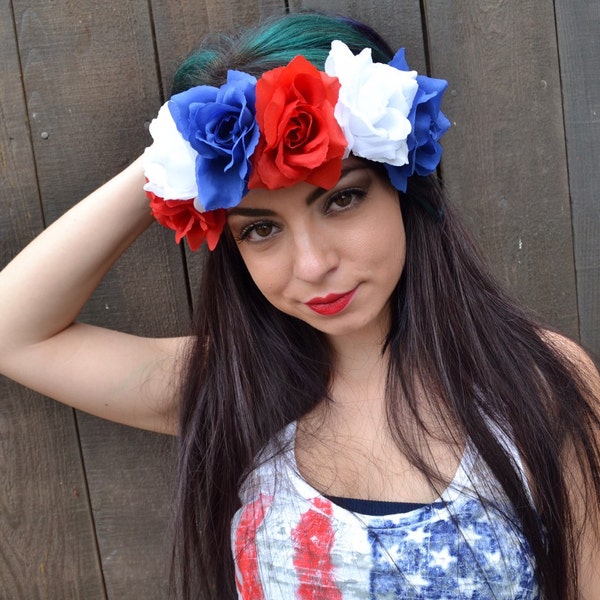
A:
[(313, 540), (247, 577)]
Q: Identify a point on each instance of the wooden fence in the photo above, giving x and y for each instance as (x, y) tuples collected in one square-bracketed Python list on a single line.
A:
[(85, 505)]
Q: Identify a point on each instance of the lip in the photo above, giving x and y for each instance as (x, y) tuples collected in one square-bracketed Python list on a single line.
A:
[(331, 304)]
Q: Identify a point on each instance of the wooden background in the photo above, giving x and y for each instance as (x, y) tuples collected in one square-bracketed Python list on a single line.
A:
[(85, 505)]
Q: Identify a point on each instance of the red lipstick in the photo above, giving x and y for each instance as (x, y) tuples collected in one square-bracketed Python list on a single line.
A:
[(331, 304)]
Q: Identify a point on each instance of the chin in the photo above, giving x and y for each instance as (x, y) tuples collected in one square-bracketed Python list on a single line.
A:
[(375, 328)]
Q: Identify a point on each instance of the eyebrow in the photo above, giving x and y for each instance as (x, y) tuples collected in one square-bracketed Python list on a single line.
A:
[(316, 193), (251, 212), (312, 197)]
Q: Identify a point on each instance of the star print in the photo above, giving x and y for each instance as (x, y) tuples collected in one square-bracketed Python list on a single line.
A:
[(418, 536), (494, 557), (417, 580), (442, 559)]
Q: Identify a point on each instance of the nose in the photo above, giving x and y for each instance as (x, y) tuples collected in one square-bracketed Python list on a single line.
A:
[(314, 255)]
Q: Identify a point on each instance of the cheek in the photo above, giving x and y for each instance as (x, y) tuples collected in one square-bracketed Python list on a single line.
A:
[(386, 249), (398, 254), (267, 276), (397, 239), (391, 261)]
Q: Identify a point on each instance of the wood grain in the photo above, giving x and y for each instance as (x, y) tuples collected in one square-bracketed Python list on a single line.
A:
[(180, 25), (91, 83), (21, 218), (132, 490), (578, 27), (47, 539), (505, 157), (399, 23)]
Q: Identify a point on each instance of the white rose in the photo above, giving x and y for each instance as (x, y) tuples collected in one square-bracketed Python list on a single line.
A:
[(170, 162), (374, 102)]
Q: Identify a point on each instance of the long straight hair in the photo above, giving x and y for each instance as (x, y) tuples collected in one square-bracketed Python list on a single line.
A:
[(487, 365)]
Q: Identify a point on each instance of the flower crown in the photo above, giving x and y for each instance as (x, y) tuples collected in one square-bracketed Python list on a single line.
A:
[(296, 123)]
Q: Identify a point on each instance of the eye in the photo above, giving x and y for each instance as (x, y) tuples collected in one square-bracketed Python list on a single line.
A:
[(257, 232), (344, 199)]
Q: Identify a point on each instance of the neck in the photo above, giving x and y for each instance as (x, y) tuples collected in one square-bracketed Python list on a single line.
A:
[(359, 381)]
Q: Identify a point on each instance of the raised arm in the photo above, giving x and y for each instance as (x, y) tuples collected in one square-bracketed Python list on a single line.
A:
[(117, 376)]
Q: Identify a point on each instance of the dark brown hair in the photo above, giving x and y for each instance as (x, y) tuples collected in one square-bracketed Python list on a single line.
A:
[(486, 363)]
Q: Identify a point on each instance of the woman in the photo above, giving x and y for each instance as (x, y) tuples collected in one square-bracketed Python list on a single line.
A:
[(363, 411)]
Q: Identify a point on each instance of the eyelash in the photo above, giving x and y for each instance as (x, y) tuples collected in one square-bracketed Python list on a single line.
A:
[(357, 194), (252, 227)]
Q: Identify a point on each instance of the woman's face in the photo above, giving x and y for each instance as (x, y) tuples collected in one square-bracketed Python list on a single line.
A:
[(329, 257)]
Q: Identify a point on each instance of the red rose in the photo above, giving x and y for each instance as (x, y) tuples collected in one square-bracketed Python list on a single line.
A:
[(186, 221), (300, 138)]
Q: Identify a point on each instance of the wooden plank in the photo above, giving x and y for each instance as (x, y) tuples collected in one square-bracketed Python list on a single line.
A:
[(505, 157), (20, 218), (578, 26), (180, 25), (91, 84), (399, 23), (132, 487), (47, 543)]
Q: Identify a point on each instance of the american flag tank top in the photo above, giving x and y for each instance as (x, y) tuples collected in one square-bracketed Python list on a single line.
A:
[(291, 543)]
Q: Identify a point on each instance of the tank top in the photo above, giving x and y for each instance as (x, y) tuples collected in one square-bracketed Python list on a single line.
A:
[(290, 542)]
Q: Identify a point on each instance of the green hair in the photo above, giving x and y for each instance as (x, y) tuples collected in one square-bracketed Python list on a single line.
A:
[(273, 44)]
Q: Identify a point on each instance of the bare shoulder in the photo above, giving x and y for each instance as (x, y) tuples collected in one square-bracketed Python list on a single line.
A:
[(582, 480), (578, 357)]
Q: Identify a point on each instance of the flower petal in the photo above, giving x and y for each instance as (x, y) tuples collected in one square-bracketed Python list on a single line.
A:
[(301, 139), (169, 161), (374, 104)]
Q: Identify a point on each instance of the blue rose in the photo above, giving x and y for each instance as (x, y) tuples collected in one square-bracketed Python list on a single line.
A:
[(220, 124), (428, 125)]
